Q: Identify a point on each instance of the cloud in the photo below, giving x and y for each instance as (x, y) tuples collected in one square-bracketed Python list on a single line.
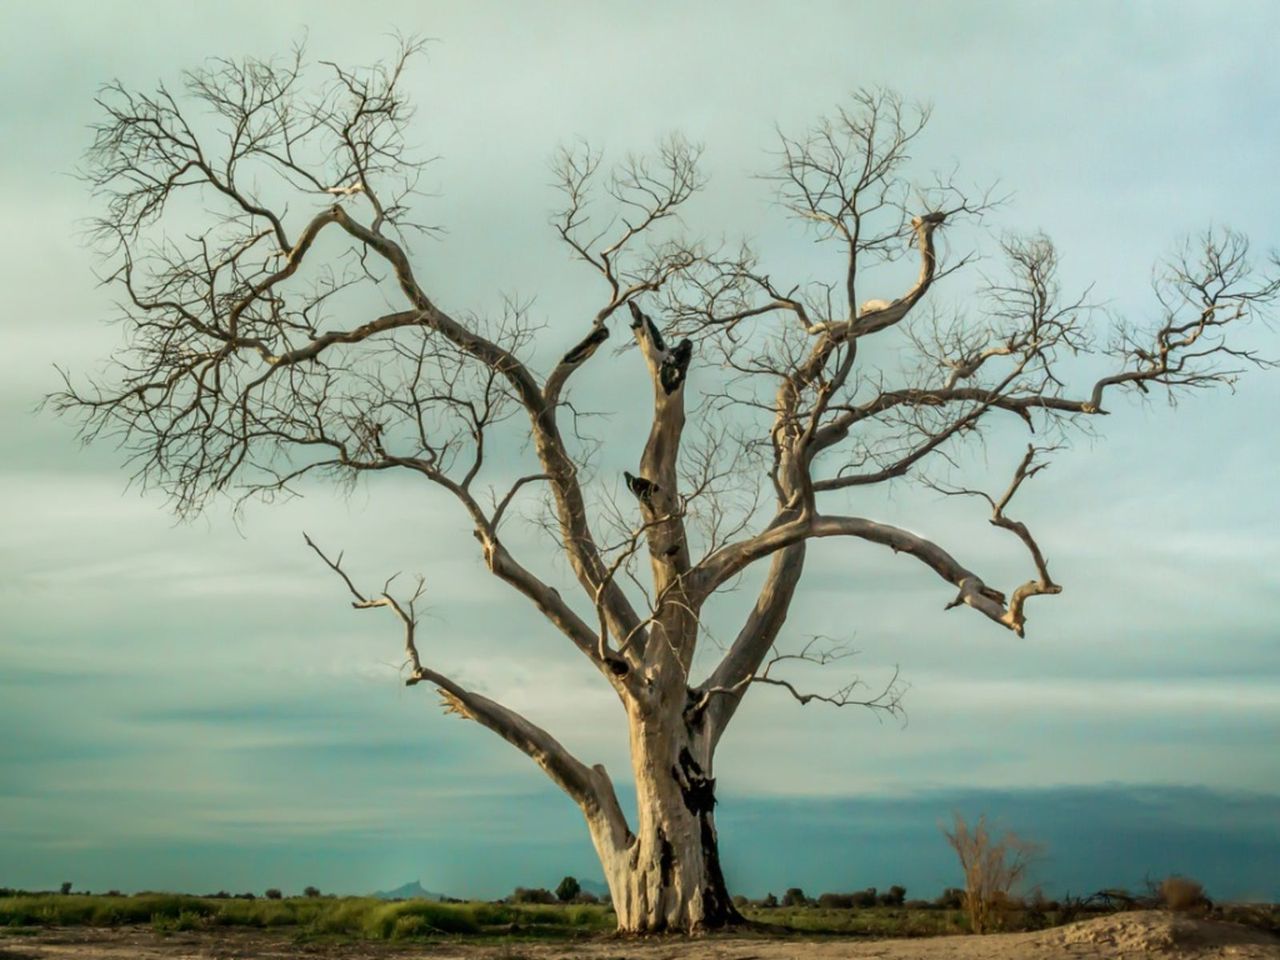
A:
[(172, 688)]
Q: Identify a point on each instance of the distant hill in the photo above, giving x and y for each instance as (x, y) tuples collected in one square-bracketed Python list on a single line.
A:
[(594, 887), (410, 891)]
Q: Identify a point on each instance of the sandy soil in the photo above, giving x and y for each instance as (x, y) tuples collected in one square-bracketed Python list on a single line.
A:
[(1133, 935)]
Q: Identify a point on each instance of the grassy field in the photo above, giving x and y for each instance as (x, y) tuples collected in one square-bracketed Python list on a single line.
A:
[(361, 917), (365, 918)]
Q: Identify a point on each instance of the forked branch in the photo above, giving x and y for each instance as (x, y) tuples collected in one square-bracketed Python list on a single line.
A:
[(404, 611), (819, 653), (590, 787), (1043, 584)]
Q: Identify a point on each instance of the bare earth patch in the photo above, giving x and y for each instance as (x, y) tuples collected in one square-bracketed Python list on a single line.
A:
[(1135, 935)]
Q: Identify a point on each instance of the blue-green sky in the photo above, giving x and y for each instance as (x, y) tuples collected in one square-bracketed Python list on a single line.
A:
[(195, 706)]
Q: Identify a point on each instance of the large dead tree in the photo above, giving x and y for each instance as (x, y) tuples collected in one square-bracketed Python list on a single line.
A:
[(245, 215)]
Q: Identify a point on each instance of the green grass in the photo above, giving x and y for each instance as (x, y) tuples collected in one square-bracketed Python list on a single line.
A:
[(351, 917), (366, 918), (363, 918)]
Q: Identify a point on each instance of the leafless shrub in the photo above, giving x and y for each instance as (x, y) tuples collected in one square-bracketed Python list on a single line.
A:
[(1182, 894), (993, 864)]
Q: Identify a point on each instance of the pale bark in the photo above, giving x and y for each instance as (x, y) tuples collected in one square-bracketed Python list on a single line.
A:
[(669, 876)]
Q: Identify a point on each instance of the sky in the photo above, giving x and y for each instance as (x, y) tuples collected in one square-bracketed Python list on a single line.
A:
[(193, 705)]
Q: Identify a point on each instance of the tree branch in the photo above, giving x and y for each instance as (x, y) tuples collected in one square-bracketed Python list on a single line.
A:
[(586, 785), (755, 638), (974, 592), (888, 700), (1043, 584)]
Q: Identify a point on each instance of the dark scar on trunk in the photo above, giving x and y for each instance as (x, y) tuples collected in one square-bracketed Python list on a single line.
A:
[(639, 319), (588, 345), (675, 366), (654, 336), (699, 792), (642, 488), (667, 859)]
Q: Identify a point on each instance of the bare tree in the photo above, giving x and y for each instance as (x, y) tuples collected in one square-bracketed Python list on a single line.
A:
[(993, 864), (243, 215)]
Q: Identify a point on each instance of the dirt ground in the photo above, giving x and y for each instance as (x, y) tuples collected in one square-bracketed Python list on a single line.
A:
[(1133, 935)]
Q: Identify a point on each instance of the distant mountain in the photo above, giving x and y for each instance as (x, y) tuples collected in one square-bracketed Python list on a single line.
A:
[(410, 891), (594, 887)]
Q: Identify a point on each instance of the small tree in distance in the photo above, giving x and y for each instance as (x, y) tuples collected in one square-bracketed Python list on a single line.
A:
[(279, 330), (993, 866), (273, 894), (794, 897), (865, 898), (568, 889)]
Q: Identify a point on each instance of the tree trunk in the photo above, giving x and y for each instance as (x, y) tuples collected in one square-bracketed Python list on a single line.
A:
[(667, 877)]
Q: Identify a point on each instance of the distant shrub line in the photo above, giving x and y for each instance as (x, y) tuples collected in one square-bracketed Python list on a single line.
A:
[(350, 916), (569, 910)]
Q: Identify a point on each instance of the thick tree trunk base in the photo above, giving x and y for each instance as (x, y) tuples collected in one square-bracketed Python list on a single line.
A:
[(667, 878), (675, 914), (679, 895)]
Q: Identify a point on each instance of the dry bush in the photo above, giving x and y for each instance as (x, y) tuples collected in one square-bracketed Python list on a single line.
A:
[(1182, 894), (836, 901), (539, 895), (865, 898), (794, 897), (952, 898), (993, 865), (893, 897)]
